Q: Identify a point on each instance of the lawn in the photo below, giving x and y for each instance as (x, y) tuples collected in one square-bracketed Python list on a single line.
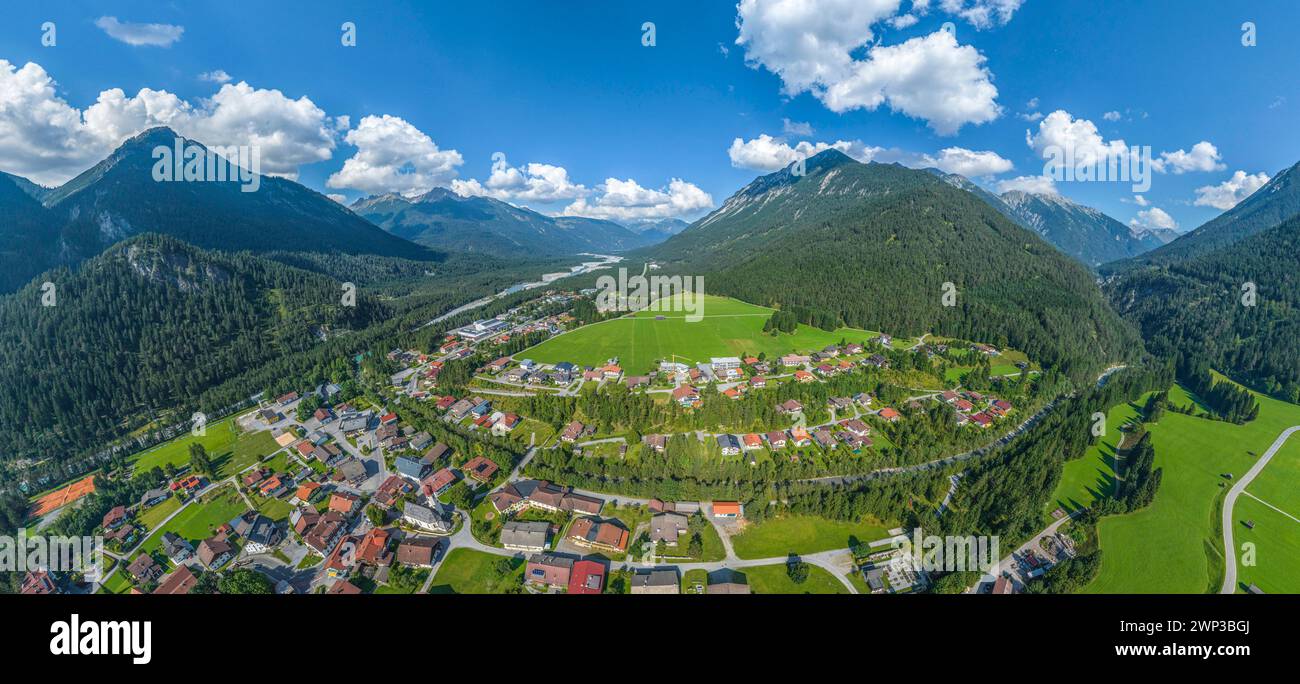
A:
[(772, 579), (694, 577), (466, 571), (788, 534), (1175, 544), (198, 521), (1092, 476), (230, 450), (154, 516), (729, 328)]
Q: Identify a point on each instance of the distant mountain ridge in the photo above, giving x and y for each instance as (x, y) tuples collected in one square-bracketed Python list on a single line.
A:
[(1275, 202), (1084, 233), (118, 198), (443, 219)]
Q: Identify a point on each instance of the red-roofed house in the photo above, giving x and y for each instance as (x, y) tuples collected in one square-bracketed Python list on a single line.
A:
[(586, 577)]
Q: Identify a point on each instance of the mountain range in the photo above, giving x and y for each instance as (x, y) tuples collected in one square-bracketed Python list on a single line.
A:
[(1084, 233), (118, 198), (443, 219), (874, 245)]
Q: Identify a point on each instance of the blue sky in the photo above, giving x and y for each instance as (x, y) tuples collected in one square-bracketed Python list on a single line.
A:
[(570, 87)]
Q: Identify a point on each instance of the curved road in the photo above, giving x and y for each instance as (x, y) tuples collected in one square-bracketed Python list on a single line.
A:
[(1229, 551)]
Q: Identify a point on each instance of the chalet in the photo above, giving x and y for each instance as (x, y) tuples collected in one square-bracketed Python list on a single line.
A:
[(800, 436), (515, 375), (262, 535), (790, 407), (417, 552), (571, 432), (656, 581), (154, 496), (752, 441), (758, 382), (727, 509), (890, 415), (437, 452), (611, 372), (656, 443), (803, 376), (114, 518), (411, 468), (302, 519), (853, 348), (507, 423), (884, 340), (962, 405), (176, 548), (1002, 405), (328, 454), (591, 375), (549, 570), (667, 528), (982, 419), (344, 503), (827, 370), (731, 393), (876, 360), (213, 553), (840, 403), (519, 535), (635, 381), (600, 535), (729, 445), (750, 360), (776, 439), (856, 426), (304, 448), (306, 492), (286, 399), (144, 569), (180, 581), (948, 397), (461, 409), (985, 349), (586, 577), (323, 415), (439, 482), (863, 398), (855, 442), (325, 534), (273, 487), (445, 403), (824, 438), (481, 469), (420, 441), (436, 519), (390, 490), (254, 476), (794, 360), (373, 548), (351, 471), (686, 395), (499, 365)]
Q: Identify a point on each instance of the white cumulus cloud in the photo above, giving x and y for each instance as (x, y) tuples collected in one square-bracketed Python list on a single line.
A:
[(1203, 157), (1035, 185), (813, 44), (1155, 217), (46, 139), (627, 200), (766, 153), (1227, 194), (394, 156), (215, 76), (156, 35), (532, 182)]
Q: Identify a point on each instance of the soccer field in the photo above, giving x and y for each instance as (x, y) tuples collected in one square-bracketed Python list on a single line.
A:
[(728, 328)]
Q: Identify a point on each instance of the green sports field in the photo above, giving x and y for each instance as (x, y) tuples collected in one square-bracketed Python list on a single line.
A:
[(728, 328), (229, 449), (1175, 544)]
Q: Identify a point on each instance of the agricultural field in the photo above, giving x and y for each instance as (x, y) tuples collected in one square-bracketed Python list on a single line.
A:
[(729, 328), (1175, 545), (466, 571), (772, 579), (230, 449), (802, 534), (1272, 503)]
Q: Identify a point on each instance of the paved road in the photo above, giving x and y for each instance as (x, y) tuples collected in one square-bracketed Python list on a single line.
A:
[(1230, 551)]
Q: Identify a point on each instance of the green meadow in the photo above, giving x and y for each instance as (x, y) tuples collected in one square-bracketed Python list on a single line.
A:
[(802, 534), (728, 328), (1092, 476), (1175, 545), (1272, 502), (229, 449), (773, 579)]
